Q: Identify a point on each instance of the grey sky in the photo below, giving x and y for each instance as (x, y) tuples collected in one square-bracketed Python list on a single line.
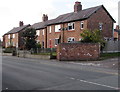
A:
[(30, 11)]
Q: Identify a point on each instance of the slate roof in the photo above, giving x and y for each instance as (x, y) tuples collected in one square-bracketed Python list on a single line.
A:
[(17, 29), (39, 25), (69, 17)]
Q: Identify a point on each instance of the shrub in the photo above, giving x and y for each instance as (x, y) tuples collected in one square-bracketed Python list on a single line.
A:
[(8, 50), (94, 36)]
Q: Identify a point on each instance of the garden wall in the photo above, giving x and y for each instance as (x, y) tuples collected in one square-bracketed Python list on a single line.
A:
[(78, 51)]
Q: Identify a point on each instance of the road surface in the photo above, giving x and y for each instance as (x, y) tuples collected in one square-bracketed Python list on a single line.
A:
[(35, 74)]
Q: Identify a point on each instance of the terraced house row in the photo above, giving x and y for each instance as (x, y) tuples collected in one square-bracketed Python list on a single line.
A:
[(65, 28)]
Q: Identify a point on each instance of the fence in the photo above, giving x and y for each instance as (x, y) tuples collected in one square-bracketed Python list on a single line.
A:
[(42, 53), (43, 50), (111, 47)]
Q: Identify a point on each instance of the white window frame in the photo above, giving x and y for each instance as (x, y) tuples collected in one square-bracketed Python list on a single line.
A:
[(13, 43), (100, 26), (82, 24), (38, 41), (43, 32), (69, 39), (50, 29), (6, 44), (80, 39), (13, 36), (57, 28), (38, 32), (72, 24), (17, 45), (57, 42), (9, 36)]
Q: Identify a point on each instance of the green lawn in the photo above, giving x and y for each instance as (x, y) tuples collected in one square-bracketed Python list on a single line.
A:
[(109, 55), (54, 54), (102, 55)]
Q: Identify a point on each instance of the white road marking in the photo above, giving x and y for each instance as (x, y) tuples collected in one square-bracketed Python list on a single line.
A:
[(99, 84), (96, 84), (72, 78)]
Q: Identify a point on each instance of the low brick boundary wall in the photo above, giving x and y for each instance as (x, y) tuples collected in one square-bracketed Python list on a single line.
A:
[(78, 51)]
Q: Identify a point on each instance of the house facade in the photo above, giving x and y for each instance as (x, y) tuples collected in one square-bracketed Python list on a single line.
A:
[(67, 27), (13, 37), (117, 33)]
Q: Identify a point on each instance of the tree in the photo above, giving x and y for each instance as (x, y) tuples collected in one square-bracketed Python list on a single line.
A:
[(94, 36), (29, 36)]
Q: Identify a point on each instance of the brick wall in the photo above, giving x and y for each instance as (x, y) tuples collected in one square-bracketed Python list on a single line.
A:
[(78, 51), (42, 37), (64, 35), (101, 16)]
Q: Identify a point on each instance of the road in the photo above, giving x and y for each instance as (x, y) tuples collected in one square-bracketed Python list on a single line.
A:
[(35, 74)]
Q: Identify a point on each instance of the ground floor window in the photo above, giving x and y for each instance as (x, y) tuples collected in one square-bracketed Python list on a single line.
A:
[(57, 41), (70, 39), (42, 44)]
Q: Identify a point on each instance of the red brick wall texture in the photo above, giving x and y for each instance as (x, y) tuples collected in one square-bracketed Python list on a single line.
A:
[(78, 51)]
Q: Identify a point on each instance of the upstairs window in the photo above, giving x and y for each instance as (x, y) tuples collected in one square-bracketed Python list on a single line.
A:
[(43, 31), (82, 24), (71, 26), (50, 30), (100, 26), (57, 28), (13, 35), (38, 32), (9, 36), (71, 39)]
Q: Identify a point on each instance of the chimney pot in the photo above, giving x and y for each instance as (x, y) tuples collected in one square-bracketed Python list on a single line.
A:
[(77, 6), (44, 18), (21, 23)]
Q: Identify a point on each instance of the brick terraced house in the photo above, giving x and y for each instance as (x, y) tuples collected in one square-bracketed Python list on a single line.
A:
[(13, 37), (67, 27)]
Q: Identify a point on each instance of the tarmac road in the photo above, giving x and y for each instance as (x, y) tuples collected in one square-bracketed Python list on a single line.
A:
[(35, 74)]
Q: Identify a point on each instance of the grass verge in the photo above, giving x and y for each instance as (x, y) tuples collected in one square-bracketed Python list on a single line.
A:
[(109, 55)]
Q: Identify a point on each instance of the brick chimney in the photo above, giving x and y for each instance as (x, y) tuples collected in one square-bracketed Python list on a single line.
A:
[(44, 18), (77, 6), (21, 23)]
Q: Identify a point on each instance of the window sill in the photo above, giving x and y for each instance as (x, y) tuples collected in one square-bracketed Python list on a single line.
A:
[(57, 32), (71, 30)]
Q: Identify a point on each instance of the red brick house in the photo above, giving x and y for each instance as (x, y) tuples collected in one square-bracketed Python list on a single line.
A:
[(117, 33), (67, 27), (13, 37)]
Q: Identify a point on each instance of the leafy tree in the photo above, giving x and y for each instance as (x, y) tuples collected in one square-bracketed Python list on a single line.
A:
[(94, 36), (38, 45), (29, 36)]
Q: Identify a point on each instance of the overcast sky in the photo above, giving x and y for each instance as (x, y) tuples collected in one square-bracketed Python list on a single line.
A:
[(30, 11)]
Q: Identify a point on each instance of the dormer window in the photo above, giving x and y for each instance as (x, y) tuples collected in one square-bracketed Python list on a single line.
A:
[(71, 26)]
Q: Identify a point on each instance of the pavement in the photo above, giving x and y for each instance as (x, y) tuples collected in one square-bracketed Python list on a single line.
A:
[(112, 63), (36, 74)]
